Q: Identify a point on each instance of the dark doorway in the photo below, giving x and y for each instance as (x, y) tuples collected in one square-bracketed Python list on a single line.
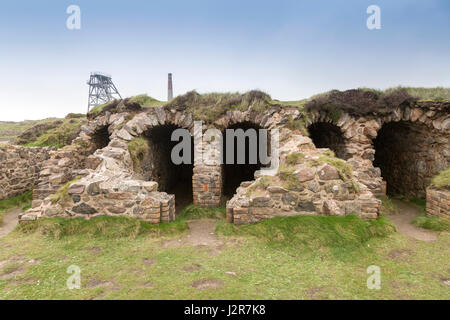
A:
[(409, 155), (234, 174), (158, 166), (100, 138), (328, 135)]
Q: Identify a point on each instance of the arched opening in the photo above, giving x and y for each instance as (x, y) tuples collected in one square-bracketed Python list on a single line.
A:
[(100, 138), (233, 172), (157, 165), (328, 135), (409, 155)]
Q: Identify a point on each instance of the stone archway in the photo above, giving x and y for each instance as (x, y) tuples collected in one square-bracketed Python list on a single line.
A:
[(409, 155), (328, 135), (155, 164)]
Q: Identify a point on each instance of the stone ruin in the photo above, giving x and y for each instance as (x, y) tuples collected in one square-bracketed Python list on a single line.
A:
[(395, 152)]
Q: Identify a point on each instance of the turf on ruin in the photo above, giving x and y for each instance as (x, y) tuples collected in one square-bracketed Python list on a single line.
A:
[(338, 151)]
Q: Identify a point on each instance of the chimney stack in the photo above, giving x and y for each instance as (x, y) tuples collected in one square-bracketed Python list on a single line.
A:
[(170, 88)]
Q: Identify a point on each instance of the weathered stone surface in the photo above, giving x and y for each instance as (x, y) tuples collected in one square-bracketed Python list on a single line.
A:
[(76, 189), (327, 172), (83, 208), (305, 206), (305, 173)]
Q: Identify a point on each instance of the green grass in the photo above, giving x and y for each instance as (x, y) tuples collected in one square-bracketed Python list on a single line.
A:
[(60, 136), (138, 148), (432, 223), (283, 258), (143, 100), (313, 232), (419, 202), (294, 158), (103, 227), (195, 212), (442, 180), (21, 201), (387, 206), (10, 129)]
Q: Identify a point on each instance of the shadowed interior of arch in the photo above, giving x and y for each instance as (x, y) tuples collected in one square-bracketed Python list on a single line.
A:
[(158, 166), (234, 174), (100, 138), (328, 135), (409, 155)]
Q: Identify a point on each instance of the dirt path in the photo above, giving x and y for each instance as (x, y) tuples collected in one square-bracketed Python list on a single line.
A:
[(10, 221), (201, 234), (402, 220)]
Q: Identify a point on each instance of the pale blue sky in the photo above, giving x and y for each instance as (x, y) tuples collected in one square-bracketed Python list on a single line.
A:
[(291, 49)]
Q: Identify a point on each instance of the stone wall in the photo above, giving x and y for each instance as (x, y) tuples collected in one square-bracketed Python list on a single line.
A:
[(438, 203), (313, 187), (427, 145), (19, 168)]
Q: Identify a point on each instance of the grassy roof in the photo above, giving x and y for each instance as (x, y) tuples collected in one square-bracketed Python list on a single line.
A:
[(210, 106), (134, 103), (365, 100)]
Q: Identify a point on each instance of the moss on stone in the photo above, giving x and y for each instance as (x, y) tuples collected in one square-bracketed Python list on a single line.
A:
[(286, 173), (261, 183), (294, 158), (298, 124), (442, 180), (138, 148), (344, 169), (62, 194)]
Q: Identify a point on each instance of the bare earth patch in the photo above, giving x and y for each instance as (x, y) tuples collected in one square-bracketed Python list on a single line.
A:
[(95, 283), (192, 268), (201, 234), (402, 220), (207, 284), (399, 254), (148, 262)]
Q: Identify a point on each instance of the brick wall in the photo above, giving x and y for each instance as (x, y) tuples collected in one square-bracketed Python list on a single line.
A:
[(438, 203)]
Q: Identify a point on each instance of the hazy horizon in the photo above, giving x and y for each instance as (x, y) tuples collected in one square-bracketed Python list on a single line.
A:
[(289, 49)]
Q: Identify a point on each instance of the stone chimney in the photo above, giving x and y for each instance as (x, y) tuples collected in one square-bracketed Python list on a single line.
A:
[(170, 88)]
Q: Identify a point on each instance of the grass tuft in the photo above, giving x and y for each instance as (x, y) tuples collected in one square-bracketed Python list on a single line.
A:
[(387, 206), (442, 180), (432, 223), (103, 227), (61, 194)]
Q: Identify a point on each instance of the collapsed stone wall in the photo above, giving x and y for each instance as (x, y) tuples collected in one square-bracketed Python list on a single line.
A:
[(438, 202), (20, 168)]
